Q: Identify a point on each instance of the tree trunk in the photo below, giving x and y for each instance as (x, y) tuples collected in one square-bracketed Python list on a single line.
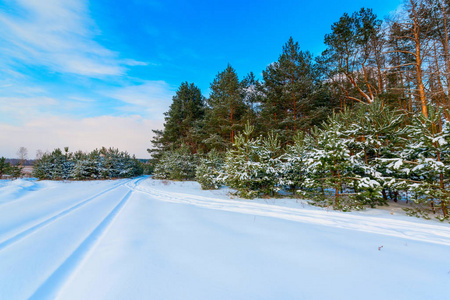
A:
[(418, 55)]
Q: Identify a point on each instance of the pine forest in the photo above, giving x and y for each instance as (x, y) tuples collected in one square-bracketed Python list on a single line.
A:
[(364, 124)]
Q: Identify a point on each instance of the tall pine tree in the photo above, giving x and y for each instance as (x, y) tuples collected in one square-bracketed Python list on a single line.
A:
[(181, 121), (225, 110), (288, 86)]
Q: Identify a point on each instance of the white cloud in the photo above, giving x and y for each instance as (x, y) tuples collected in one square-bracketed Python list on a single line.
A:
[(149, 99), (132, 62), (23, 108), (59, 35), (132, 134)]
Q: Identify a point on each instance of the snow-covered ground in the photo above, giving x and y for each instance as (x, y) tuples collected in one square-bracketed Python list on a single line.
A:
[(151, 239)]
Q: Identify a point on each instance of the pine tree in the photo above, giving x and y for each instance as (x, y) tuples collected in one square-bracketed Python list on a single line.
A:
[(329, 163), (14, 171), (4, 167), (209, 171), (353, 49), (253, 165), (425, 162), (187, 107), (185, 113), (178, 164), (242, 166), (270, 154), (98, 164), (294, 161), (225, 110), (288, 86), (253, 97)]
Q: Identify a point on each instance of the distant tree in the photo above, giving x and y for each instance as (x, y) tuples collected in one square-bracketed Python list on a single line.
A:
[(39, 154), (98, 164), (4, 166), (22, 154)]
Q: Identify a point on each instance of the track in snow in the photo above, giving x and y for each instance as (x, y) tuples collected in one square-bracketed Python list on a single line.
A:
[(433, 233), (30, 230), (52, 249), (142, 239), (50, 288)]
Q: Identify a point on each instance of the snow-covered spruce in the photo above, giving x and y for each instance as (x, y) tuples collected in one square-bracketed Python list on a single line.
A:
[(359, 158), (98, 164), (209, 171), (424, 165), (252, 165), (178, 164), (8, 170)]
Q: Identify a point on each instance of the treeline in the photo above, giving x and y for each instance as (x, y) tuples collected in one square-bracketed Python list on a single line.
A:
[(364, 157), (398, 68), (98, 164), (403, 61), (22, 162)]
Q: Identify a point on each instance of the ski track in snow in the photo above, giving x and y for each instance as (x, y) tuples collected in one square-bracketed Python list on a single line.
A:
[(439, 234), (61, 275), (30, 230), (50, 288)]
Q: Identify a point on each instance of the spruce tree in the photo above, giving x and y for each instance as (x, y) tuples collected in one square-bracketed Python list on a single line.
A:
[(178, 164), (4, 167), (294, 161), (243, 168), (210, 170), (425, 161)]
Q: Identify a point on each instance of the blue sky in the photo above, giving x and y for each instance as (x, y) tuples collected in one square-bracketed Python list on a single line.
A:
[(87, 74)]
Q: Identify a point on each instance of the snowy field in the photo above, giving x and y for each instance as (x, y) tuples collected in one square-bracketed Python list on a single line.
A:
[(150, 239)]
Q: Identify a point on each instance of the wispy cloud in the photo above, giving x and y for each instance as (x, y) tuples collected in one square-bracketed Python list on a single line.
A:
[(58, 35), (27, 107), (149, 99), (19, 109), (41, 108)]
